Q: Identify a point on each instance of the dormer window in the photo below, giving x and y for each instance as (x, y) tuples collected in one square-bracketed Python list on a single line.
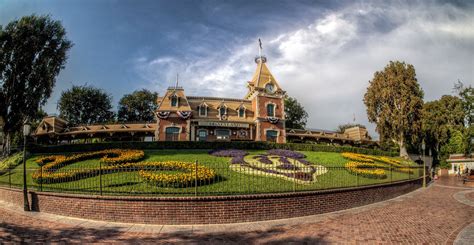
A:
[(241, 112), (174, 101), (271, 110), (203, 111), (222, 110)]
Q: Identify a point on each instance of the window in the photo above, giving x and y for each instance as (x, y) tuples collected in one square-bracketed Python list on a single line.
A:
[(222, 134), (241, 112), (271, 110), (172, 134), (222, 111), (202, 111), (269, 88), (272, 135), (202, 135), (174, 101)]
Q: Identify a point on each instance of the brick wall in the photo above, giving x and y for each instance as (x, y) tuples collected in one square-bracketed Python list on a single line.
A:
[(209, 210), (173, 122)]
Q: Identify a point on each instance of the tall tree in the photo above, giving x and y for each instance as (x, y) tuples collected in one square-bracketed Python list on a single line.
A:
[(85, 105), (394, 102), (467, 96), (455, 145), (137, 106), (295, 114), (32, 53), (342, 128), (440, 117)]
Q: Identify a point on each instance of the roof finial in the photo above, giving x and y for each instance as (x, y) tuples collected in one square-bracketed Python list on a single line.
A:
[(177, 81), (260, 57)]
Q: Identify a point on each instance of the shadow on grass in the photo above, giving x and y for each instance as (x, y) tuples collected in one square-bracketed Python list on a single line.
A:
[(14, 233)]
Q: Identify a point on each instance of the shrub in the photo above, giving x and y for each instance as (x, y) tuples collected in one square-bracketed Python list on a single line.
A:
[(244, 145), (10, 162)]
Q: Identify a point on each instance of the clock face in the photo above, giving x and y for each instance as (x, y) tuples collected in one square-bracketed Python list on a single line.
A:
[(269, 88)]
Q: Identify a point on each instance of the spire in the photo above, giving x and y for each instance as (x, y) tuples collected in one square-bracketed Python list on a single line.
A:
[(177, 81)]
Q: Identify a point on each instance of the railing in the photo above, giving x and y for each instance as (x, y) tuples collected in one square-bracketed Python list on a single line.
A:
[(233, 180)]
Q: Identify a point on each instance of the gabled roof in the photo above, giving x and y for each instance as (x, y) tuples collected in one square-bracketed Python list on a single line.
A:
[(164, 103), (262, 76)]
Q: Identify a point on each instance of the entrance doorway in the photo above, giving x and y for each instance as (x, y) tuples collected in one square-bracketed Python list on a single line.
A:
[(272, 136), (202, 135), (222, 134), (172, 134)]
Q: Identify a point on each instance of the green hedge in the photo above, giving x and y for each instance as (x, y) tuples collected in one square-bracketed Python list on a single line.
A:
[(158, 145)]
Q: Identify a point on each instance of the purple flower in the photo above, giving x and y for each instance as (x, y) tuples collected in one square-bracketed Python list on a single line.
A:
[(286, 153), (238, 160), (284, 160), (264, 159), (228, 153)]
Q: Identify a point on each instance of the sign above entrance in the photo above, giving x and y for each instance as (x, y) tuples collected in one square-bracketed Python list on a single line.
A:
[(224, 124)]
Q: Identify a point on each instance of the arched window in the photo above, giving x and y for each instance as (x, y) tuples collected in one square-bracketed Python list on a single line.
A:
[(174, 101), (271, 110), (172, 134), (241, 112)]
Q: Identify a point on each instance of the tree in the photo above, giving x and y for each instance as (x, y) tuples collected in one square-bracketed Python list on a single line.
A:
[(342, 128), (138, 106), (32, 53), (394, 102), (439, 118), (467, 96), (85, 105), (295, 114), (455, 145)]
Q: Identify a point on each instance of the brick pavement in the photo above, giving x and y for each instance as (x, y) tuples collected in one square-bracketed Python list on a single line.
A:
[(429, 216)]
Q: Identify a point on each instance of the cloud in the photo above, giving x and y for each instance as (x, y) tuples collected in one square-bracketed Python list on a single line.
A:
[(327, 64)]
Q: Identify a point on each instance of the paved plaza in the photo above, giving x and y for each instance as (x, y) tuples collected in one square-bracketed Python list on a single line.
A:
[(443, 213)]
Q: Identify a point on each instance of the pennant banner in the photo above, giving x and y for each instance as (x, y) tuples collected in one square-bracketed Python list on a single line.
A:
[(184, 114), (163, 114), (273, 119)]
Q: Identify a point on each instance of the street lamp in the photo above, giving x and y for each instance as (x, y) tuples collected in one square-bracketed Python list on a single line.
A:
[(26, 132), (423, 147)]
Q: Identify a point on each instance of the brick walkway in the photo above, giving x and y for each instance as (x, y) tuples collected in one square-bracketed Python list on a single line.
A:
[(431, 216)]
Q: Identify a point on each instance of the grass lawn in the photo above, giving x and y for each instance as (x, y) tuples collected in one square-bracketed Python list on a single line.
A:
[(227, 181)]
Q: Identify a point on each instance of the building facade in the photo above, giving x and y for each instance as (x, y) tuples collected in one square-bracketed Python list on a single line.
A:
[(258, 116)]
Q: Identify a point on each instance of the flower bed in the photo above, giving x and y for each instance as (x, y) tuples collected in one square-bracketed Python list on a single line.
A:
[(228, 153), (374, 166), (201, 174), (118, 160), (285, 164)]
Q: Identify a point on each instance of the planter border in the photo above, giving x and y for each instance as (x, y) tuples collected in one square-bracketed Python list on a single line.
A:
[(209, 209)]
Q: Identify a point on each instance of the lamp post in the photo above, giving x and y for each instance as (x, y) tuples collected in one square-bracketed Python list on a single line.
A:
[(423, 147), (26, 132)]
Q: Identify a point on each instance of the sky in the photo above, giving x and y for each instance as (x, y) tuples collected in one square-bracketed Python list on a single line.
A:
[(323, 53)]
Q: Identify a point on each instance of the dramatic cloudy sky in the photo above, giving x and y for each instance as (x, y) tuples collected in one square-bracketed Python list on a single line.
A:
[(321, 52)]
